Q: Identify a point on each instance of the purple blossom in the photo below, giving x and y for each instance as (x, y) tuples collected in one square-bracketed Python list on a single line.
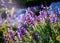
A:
[(6, 38), (39, 18), (11, 34), (45, 13), (52, 18), (23, 31), (32, 18), (18, 34), (41, 14)]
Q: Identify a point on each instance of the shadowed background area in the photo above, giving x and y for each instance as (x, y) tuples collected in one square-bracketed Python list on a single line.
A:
[(27, 3)]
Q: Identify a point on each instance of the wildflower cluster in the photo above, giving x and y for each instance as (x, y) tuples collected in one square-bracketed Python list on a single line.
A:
[(36, 26)]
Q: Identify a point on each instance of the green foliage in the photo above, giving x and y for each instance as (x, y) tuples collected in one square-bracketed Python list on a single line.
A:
[(2, 40), (3, 30), (49, 32), (14, 27)]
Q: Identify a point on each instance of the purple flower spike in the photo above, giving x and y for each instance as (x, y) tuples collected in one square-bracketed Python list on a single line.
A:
[(23, 31), (6, 38), (52, 20), (18, 34)]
